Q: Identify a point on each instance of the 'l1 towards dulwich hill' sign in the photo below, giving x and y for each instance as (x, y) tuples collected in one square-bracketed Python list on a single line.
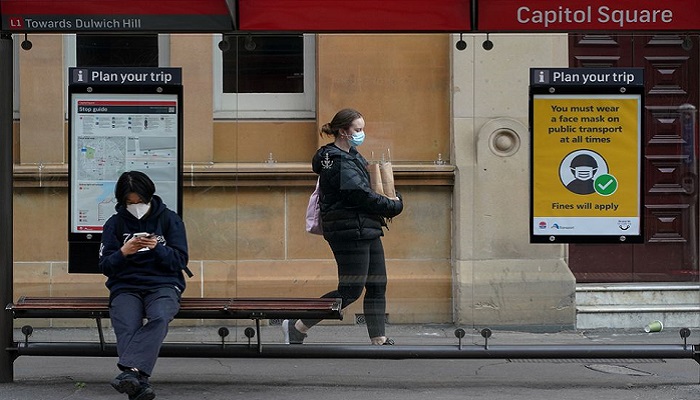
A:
[(25, 16)]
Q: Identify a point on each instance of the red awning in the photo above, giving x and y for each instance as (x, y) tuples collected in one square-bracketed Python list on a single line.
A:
[(79, 16)]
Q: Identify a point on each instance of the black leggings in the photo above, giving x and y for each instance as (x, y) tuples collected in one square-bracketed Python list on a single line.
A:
[(361, 266)]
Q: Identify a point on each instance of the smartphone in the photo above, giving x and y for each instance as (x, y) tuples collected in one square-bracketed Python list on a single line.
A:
[(144, 235)]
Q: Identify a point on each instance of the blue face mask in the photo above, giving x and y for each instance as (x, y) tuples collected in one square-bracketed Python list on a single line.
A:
[(357, 138)]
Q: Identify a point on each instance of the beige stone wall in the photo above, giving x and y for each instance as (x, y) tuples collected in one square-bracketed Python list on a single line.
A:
[(245, 226), (250, 241), (42, 139), (189, 52), (501, 279), (400, 83), (257, 141)]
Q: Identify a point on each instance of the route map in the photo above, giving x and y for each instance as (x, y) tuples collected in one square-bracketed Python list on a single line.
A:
[(114, 133)]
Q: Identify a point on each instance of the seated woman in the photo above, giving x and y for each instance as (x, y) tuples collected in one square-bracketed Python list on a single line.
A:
[(143, 254)]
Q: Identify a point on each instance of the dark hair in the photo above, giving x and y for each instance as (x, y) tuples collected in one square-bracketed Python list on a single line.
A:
[(343, 120), (134, 182)]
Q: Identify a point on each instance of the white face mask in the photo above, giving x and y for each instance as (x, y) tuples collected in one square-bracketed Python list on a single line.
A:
[(584, 173), (138, 210)]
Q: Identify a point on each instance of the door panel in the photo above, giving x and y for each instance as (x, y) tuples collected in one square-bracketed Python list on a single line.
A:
[(669, 252), (600, 50)]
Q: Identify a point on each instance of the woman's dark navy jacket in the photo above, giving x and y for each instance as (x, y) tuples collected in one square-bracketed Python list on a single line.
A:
[(162, 266), (350, 209)]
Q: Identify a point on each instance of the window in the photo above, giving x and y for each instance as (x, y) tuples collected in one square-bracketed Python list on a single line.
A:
[(116, 50), (264, 76), (265, 64)]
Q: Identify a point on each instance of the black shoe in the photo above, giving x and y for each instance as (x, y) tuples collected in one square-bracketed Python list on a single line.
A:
[(127, 382), (145, 393), (291, 333), (388, 342)]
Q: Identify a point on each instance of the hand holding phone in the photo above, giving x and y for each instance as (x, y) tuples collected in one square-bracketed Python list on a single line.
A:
[(146, 240), (137, 243)]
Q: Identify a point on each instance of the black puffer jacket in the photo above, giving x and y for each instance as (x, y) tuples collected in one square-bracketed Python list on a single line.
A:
[(350, 209)]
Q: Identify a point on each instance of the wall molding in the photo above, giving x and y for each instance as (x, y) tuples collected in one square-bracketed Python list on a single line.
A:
[(242, 174)]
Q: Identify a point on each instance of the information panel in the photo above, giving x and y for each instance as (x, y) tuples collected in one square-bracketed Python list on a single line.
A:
[(119, 119), (114, 133), (586, 157)]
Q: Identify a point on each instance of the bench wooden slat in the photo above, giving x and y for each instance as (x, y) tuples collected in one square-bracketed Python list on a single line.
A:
[(190, 308)]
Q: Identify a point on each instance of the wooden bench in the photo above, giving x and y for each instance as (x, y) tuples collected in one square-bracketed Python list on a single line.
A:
[(190, 308), (290, 308)]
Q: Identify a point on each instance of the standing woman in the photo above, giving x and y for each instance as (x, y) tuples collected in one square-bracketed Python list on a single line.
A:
[(143, 254), (352, 216)]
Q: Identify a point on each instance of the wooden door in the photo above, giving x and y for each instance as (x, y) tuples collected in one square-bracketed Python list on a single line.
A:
[(670, 177)]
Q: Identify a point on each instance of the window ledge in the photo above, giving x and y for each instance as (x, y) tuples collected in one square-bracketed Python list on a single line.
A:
[(242, 174)]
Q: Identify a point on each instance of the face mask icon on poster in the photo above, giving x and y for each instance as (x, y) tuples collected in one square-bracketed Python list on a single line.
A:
[(583, 169), (138, 210)]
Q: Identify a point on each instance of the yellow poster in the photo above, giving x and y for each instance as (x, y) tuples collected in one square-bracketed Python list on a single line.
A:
[(586, 163)]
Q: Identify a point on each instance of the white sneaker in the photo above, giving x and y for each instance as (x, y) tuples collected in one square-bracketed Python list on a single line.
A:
[(291, 333)]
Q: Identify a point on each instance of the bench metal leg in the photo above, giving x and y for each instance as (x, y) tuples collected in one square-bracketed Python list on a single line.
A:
[(257, 330), (100, 333)]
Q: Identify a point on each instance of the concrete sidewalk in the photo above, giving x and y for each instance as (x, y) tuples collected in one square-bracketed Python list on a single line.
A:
[(38, 378)]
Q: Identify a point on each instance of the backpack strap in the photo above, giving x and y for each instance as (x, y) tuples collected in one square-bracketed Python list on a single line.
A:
[(161, 220)]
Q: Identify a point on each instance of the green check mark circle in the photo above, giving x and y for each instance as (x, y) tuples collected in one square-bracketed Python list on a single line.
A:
[(605, 184)]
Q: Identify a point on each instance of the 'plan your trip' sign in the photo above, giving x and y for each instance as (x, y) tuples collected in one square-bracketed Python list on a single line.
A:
[(586, 155), (586, 76)]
